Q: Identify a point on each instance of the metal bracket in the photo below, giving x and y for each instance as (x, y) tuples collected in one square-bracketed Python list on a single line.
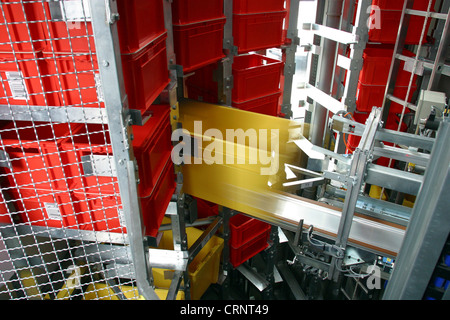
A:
[(168, 259), (5, 161), (111, 17), (344, 179), (99, 165), (331, 33)]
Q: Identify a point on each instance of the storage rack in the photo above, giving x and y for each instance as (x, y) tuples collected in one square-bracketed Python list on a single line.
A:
[(73, 263), (109, 256), (97, 257)]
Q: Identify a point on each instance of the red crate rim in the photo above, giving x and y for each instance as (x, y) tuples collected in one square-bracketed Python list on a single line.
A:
[(164, 171), (261, 13), (157, 40), (278, 93), (271, 61), (221, 19)]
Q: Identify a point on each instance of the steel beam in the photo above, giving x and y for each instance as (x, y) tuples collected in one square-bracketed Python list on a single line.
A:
[(428, 229), (104, 17)]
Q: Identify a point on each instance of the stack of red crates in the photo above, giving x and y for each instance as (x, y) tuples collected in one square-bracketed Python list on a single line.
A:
[(258, 24), (57, 64), (48, 171), (374, 76), (46, 60), (257, 83), (248, 237), (198, 27), (385, 21), (206, 209), (377, 58), (202, 84)]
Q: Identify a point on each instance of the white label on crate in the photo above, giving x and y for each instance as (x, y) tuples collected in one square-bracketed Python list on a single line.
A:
[(121, 217), (76, 10), (53, 212), (17, 85), (98, 84)]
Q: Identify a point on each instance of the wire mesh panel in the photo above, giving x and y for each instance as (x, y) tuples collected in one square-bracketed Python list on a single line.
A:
[(62, 224)]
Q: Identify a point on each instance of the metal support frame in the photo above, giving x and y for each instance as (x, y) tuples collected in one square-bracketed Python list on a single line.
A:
[(326, 71), (104, 15), (226, 213), (355, 63), (226, 82), (438, 54), (428, 229), (356, 174), (289, 57)]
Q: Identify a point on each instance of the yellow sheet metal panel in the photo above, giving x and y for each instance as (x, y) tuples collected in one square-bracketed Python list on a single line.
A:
[(242, 187), (253, 146)]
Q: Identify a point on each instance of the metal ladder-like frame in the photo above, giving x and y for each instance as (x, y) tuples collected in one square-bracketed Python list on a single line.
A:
[(416, 65)]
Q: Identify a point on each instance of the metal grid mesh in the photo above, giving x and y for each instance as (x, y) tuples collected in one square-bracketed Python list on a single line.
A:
[(62, 230)]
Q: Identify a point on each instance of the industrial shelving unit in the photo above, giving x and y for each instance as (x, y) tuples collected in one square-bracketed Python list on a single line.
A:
[(78, 258), (50, 258)]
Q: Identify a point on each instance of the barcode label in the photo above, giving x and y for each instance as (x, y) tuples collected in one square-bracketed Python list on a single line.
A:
[(53, 212), (98, 84), (17, 85)]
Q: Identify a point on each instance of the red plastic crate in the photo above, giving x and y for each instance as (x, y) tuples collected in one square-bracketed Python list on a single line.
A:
[(73, 34), (201, 84), (47, 208), (369, 96), (385, 31), (255, 76), (87, 140), (77, 79), (16, 22), (206, 208), (141, 22), (267, 105), (377, 63), (152, 147), (398, 5), (25, 80), (155, 205), (360, 117), (244, 229), (34, 154), (103, 211), (146, 74), (257, 31), (198, 44), (254, 6), (99, 211), (5, 214), (190, 11), (249, 249)]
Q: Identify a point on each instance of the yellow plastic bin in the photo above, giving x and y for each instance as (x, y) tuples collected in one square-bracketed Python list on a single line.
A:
[(203, 270), (101, 291)]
